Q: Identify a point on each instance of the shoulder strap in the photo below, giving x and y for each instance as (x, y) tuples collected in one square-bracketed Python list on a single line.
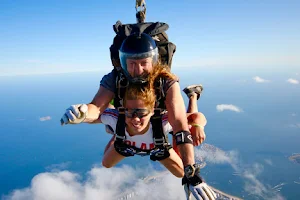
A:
[(121, 85), (120, 128), (160, 94), (158, 134)]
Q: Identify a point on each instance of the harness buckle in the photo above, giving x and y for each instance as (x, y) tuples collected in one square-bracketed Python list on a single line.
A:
[(120, 137), (158, 141)]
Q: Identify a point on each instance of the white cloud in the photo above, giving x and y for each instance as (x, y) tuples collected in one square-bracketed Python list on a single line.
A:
[(260, 80), (222, 107), (255, 187), (292, 81), (294, 114), (101, 183), (117, 182), (46, 118)]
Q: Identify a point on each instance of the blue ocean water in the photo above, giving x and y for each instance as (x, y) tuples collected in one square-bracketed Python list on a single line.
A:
[(262, 134)]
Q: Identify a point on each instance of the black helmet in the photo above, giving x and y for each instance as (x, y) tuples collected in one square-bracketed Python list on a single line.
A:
[(137, 46)]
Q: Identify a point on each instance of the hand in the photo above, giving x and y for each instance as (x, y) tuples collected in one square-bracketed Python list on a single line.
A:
[(201, 192), (199, 189), (75, 114), (198, 135), (193, 183)]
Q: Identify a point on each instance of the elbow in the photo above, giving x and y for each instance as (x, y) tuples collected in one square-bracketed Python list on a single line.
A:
[(106, 164), (179, 174)]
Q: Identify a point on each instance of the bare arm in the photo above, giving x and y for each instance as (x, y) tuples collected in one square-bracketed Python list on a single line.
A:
[(178, 120), (98, 104)]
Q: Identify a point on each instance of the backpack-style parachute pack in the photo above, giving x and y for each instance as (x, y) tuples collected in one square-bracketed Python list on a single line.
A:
[(157, 30)]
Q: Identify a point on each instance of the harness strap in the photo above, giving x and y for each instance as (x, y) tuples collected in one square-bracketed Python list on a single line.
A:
[(121, 85), (158, 134), (120, 129)]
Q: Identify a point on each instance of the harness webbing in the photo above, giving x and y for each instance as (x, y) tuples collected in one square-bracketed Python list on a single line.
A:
[(158, 134)]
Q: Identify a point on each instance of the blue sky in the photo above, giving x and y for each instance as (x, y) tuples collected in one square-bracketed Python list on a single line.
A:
[(66, 36)]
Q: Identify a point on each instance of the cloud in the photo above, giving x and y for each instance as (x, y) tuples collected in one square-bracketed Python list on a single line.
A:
[(294, 114), (117, 182), (46, 118), (255, 187), (222, 107), (101, 183), (252, 184), (260, 80), (292, 81), (268, 161)]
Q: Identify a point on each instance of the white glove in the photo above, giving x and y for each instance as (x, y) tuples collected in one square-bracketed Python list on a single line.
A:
[(201, 192), (193, 183), (75, 114)]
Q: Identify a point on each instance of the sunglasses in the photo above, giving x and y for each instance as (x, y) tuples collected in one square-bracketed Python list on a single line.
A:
[(140, 113)]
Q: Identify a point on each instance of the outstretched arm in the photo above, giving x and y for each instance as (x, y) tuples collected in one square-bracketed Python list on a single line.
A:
[(98, 104), (178, 120)]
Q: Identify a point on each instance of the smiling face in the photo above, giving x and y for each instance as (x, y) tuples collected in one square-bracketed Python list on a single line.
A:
[(137, 116), (139, 103)]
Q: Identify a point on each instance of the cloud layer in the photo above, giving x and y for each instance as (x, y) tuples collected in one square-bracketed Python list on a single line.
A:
[(101, 183), (222, 107), (132, 183)]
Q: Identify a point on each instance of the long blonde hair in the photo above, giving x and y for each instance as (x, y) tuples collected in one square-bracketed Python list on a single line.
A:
[(146, 92)]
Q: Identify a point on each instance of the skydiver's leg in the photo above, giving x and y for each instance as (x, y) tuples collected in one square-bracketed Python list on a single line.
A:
[(193, 92), (174, 164), (111, 157), (192, 106), (194, 117)]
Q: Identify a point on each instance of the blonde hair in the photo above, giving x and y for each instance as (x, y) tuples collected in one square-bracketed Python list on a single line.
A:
[(146, 92)]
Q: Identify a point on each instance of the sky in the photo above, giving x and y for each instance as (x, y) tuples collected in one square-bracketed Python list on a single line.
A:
[(41, 37)]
